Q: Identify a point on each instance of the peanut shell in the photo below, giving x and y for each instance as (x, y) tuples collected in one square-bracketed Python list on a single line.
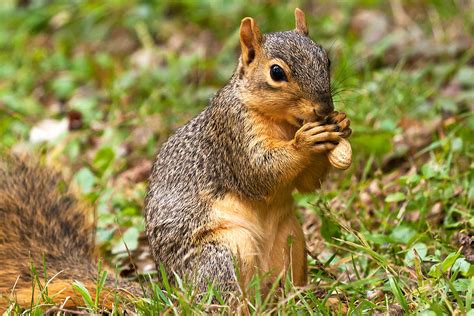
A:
[(341, 156)]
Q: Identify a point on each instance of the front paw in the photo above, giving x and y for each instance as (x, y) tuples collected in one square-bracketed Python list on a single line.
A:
[(317, 137), (341, 120)]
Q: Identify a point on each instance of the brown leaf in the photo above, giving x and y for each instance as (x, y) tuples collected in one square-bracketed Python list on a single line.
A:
[(141, 134), (141, 260), (75, 120), (436, 214), (467, 243), (336, 305), (375, 295), (416, 135), (138, 173), (393, 310)]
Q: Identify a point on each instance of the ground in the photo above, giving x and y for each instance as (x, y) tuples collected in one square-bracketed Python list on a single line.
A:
[(95, 88)]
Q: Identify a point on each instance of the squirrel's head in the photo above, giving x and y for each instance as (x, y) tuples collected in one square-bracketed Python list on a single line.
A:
[(284, 75)]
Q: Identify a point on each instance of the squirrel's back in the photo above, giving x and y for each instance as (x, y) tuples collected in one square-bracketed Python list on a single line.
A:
[(189, 174)]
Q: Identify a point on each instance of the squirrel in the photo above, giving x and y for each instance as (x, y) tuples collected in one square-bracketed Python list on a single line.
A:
[(219, 206)]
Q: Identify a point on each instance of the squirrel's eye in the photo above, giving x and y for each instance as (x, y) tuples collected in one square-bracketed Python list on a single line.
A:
[(329, 63), (277, 73)]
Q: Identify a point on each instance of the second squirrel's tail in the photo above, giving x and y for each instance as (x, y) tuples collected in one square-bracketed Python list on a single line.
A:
[(46, 238)]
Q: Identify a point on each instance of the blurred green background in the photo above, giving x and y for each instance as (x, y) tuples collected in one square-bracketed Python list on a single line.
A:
[(95, 87)]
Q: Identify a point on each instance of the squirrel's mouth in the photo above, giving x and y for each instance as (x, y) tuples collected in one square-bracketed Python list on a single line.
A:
[(320, 117), (298, 121)]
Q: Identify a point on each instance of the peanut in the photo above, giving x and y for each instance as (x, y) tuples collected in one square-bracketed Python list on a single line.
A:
[(341, 156)]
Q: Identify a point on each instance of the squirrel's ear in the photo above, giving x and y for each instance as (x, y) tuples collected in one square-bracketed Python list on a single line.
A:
[(300, 21), (250, 39)]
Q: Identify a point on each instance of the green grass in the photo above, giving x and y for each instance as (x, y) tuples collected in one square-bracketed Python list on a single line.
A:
[(389, 225)]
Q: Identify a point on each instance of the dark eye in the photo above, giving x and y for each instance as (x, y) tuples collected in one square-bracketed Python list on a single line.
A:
[(277, 73), (329, 63)]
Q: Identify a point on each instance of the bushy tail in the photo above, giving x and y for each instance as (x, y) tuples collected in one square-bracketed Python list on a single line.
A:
[(46, 238)]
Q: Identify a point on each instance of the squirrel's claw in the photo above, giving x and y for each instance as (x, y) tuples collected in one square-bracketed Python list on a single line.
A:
[(341, 120)]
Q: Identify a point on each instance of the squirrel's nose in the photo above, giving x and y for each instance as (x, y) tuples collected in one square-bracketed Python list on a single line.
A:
[(324, 106)]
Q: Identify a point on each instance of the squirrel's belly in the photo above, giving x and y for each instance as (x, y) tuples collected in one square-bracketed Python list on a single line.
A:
[(262, 237)]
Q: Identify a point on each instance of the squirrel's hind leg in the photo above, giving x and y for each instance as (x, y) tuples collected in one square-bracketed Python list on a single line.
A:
[(215, 267)]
